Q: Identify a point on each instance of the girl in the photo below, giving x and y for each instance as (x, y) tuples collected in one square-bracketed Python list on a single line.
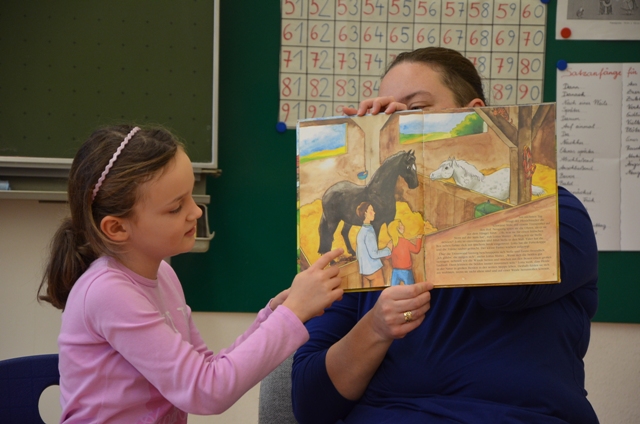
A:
[(401, 253), (129, 350)]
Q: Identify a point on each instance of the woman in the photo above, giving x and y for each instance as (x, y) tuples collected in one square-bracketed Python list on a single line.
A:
[(410, 354)]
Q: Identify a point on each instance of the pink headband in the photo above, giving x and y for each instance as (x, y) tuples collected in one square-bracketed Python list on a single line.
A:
[(113, 159)]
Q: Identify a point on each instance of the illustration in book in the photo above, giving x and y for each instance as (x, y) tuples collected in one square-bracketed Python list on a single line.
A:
[(463, 197)]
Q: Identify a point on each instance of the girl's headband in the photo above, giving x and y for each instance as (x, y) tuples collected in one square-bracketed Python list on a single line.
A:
[(113, 159)]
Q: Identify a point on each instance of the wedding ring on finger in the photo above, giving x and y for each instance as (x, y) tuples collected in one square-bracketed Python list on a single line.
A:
[(408, 316)]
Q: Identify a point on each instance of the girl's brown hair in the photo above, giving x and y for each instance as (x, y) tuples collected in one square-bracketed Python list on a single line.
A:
[(79, 240), (458, 73)]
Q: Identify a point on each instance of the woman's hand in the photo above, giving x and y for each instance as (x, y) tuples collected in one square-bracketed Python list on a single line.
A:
[(353, 360), (375, 106), (388, 319), (314, 289)]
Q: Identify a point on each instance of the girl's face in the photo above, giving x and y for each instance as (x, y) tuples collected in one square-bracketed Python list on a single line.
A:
[(419, 86), (164, 218)]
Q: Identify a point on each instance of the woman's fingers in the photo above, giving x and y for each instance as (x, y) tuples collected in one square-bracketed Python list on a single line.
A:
[(400, 309), (374, 106)]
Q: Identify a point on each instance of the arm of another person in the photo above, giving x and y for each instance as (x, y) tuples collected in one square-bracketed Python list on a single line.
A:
[(334, 368), (374, 251), (415, 248), (578, 266)]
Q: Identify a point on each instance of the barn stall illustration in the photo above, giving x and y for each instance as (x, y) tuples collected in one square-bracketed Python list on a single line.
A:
[(469, 182)]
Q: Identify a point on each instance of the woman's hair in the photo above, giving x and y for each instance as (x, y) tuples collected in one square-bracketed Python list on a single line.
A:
[(79, 240), (392, 229), (458, 73)]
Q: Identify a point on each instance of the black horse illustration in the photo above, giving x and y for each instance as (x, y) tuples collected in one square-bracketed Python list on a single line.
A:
[(340, 201)]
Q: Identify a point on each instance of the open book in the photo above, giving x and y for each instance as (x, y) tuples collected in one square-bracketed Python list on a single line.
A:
[(464, 197)]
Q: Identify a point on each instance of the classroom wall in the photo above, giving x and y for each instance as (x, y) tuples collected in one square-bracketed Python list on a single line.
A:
[(26, 226)]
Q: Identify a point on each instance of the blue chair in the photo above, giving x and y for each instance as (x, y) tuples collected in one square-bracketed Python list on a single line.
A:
[(22, 381)]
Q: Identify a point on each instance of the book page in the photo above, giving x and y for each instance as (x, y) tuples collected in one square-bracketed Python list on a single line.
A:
[(509, 236), (464, 197)]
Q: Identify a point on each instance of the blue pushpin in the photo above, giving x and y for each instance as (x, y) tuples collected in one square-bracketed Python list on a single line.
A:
[(562, 64), (281, 127), (544, 1)]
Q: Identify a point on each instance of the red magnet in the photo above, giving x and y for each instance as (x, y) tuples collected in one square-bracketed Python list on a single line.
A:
[(565, 32)]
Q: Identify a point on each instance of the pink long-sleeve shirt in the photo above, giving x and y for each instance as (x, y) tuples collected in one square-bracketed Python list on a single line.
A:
[(130, 352)]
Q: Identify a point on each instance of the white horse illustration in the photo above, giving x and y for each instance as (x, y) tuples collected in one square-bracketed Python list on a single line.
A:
[(495, 185)]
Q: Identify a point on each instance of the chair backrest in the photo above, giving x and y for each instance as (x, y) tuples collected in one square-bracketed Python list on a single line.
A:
[(274, 406), (22, 381)]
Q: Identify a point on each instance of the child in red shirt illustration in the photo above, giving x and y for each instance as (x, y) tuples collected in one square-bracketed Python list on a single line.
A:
[(401, 253)]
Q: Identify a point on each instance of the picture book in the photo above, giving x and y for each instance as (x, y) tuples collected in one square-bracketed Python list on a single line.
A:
[(460, 197)]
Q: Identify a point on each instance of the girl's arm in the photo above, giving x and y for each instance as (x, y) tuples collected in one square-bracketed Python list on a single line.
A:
[(193, 379), (152, 329), (415, 248)]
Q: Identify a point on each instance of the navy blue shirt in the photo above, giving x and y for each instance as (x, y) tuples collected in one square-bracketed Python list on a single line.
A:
[(482, 355)]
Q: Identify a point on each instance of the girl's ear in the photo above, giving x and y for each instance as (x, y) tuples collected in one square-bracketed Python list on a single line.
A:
[(114, 228)]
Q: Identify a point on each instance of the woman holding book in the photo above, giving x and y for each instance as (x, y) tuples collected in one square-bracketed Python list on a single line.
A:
[(411, 354)]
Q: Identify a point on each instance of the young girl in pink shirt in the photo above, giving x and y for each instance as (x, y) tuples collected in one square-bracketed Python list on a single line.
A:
[(129, 350)]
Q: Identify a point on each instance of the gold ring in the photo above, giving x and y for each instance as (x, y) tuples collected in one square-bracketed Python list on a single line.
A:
[(408, 316)]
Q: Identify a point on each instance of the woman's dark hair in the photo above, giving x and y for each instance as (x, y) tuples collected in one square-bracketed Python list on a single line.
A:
[(458, 73), (79, 240)]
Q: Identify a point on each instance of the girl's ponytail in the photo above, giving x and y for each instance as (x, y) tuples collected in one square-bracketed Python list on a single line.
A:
[(69, 258)]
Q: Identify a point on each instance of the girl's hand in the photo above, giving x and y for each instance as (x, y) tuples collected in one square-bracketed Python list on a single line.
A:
[(375, 106), (388, 314), (277, 301), (315, 289)]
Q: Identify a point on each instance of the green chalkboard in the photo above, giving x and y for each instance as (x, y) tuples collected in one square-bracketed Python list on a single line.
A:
[(68, 67), (253, 203)]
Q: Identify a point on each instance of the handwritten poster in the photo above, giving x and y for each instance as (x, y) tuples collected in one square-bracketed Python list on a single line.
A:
[(598, 132), (334, 52)]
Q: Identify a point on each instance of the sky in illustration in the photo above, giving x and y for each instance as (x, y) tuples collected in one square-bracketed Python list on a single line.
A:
[(316, 139), (431, 122)]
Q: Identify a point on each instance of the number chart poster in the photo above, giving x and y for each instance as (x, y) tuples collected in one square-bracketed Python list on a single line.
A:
[(334, 52)]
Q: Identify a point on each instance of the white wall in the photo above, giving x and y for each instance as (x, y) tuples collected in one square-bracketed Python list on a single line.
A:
[(612, 363)]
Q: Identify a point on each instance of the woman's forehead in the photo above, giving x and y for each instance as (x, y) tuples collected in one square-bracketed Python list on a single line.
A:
[(410, 82), (410, 77)]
